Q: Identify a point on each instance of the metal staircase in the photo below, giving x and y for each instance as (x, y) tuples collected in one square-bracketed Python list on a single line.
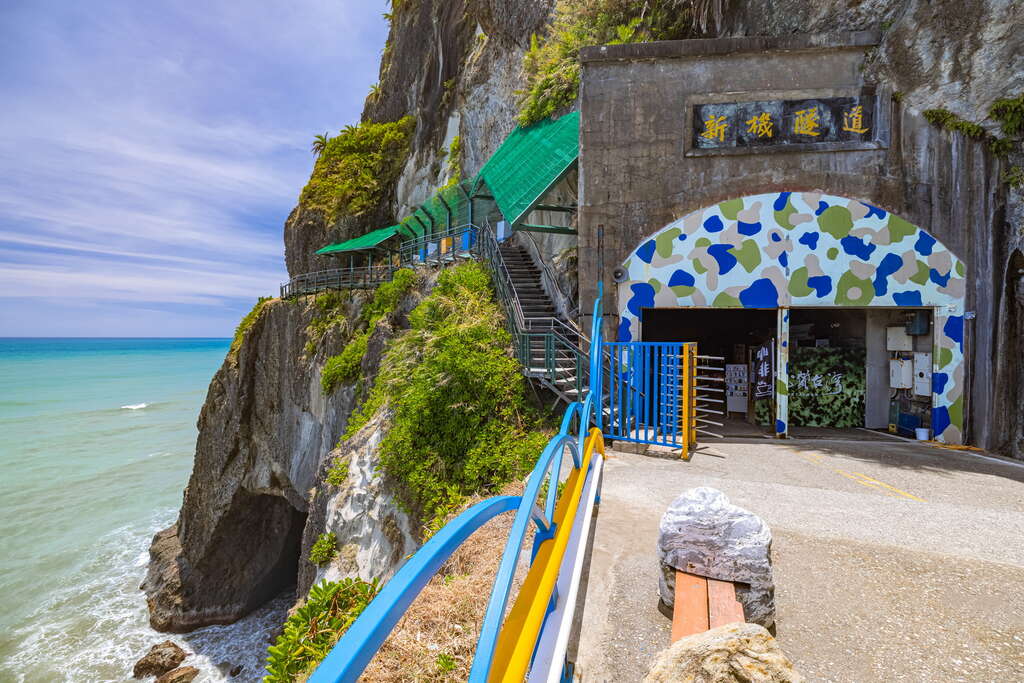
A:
[(549, 346)]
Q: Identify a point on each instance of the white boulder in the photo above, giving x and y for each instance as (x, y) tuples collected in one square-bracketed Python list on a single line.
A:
[(703, 533)]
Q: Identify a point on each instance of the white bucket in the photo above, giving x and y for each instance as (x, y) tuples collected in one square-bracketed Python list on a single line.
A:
[(922, 433)]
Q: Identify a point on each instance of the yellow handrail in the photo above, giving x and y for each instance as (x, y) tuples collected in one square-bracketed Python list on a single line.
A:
[(522, 626)]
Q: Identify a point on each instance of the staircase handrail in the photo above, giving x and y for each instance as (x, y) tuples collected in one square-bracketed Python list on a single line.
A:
[(357, 647)]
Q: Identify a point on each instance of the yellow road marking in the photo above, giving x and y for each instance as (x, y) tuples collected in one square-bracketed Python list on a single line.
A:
[(891, 488), (861, 478)]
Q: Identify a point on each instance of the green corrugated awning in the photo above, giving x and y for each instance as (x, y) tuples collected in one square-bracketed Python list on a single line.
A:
[(363, 242), (530, 162)]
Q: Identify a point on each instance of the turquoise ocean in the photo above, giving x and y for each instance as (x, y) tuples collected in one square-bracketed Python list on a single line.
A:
[(96, 444)]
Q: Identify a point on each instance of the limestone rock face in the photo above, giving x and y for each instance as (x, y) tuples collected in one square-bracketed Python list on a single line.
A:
[(160, 659), (363, 512), (703, 533), (735, 652), (264, 431)]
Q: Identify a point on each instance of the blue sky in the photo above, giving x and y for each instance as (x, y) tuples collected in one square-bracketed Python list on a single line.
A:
[(151, 151)]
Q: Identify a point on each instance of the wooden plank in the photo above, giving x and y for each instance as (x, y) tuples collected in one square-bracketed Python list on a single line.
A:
[(723, 608), (690, 612)]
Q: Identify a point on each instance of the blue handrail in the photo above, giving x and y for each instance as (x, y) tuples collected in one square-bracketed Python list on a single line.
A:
[(353, 652), (495, 614), (360, 643)]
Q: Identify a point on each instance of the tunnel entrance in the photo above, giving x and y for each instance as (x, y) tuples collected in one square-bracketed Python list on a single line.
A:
[(848, 367), (734, 334)]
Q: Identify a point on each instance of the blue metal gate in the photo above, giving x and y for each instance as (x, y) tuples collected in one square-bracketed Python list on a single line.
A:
[(651, 393)]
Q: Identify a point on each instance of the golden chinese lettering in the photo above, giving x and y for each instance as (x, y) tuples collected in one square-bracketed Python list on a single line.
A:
[(853, 120), (715, 127), (761, 126), (806, 122)]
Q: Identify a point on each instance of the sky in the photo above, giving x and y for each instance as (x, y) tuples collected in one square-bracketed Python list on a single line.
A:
[(151, 151)]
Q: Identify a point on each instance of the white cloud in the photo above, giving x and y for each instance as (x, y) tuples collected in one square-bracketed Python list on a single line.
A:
[(150, 152)]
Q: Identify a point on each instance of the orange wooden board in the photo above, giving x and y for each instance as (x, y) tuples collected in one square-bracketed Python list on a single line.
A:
[(723, 608), (690, 612)]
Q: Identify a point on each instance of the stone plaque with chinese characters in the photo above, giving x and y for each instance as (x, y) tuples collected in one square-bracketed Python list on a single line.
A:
[(832, 122)]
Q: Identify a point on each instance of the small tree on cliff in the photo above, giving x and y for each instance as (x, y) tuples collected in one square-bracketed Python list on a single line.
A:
[(319, 144)]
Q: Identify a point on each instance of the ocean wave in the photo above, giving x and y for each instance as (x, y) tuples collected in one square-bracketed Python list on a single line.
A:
[(135, 406), (93, 626)]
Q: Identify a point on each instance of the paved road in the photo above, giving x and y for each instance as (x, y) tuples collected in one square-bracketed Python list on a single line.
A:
[(893, 561)]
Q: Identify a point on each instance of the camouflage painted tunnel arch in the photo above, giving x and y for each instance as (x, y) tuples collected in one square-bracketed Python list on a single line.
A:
[(805, 249)]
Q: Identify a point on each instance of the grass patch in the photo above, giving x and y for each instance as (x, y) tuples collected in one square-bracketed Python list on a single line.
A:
[(245, 324), (328, 316), (552, 63), (312, 631), (345, 366), (356, 168), (951, 122), (461, 423), (324, 550)]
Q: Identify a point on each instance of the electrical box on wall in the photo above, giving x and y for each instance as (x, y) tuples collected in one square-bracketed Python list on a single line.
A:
[(897, 339), (918, 325), (901, 373), (923, 374)]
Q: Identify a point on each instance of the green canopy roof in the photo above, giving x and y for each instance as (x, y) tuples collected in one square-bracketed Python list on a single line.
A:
[(363, 242), (530, 162)]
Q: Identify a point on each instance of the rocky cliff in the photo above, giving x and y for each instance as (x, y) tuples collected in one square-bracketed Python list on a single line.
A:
[(256, 500)]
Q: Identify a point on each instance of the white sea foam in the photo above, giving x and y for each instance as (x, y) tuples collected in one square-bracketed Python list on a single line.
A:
[(135, 406), (95, 626)]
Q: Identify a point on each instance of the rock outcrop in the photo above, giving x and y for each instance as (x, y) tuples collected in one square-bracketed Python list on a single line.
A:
[(183, 674), (264, 431), (703, 533), (160, 659), (736, 652)]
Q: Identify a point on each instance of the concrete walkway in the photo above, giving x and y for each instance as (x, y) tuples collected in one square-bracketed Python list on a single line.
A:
[(893, 561)]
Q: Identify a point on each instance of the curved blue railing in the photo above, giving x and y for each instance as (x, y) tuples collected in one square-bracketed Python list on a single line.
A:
[(360, 643)]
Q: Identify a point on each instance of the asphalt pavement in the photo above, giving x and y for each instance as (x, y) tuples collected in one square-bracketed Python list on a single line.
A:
[(893, 561)]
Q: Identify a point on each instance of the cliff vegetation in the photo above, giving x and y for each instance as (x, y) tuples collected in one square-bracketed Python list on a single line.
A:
[(461, 423), (345, 366), (356, 169), (552, 63), (316, 626)]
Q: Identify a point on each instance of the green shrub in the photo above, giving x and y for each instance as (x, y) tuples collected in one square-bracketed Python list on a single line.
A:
[(388, 294), (461, 423), (338, 474), (552, 63), (327, 317), (324, 550), (357, 168), (1009, 112), (312, 631), (951, 122), (1014, 177), (345, 366), (247, 322)]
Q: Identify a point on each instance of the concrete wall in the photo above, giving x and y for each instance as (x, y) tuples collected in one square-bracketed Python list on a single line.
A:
[(634, 177)]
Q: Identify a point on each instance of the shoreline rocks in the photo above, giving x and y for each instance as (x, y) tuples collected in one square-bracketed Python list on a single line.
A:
[(161, 658)]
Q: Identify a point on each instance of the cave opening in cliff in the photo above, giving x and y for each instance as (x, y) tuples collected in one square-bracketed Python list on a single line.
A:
[(259, 543)]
